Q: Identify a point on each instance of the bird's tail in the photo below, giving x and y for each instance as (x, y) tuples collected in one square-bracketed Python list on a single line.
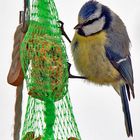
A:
[(126, 111)]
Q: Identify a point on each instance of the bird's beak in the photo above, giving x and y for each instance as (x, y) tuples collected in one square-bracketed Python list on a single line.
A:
[(78, 26)]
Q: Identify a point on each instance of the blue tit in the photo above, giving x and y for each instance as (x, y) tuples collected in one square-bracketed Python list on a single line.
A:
[(100, 49)]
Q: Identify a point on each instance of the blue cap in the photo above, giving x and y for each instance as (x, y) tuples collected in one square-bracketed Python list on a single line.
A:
[(88, 9)]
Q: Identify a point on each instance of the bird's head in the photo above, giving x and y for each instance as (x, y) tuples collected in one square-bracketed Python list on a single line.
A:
[(93, 18)]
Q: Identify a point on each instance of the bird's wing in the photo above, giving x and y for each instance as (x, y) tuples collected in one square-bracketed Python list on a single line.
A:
[(123, 65), (117, 51)]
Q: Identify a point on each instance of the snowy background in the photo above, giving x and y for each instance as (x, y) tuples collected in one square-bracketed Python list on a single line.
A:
[(97, 109)]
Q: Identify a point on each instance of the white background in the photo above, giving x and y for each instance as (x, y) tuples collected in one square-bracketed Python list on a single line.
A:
[(97, 109)]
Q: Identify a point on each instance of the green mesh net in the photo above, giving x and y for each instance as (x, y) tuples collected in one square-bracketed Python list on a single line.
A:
[(49, 114)]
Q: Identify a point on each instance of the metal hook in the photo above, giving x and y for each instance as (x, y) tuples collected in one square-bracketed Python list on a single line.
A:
[(24, 16)]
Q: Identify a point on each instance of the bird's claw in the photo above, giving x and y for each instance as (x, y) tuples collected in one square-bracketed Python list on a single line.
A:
[(61, 22), (63, 31), (61, 26)]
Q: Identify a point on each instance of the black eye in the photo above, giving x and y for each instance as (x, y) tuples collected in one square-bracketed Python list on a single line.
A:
[(81, 32)]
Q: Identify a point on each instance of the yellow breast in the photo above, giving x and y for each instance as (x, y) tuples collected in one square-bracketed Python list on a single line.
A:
[(90, 58)]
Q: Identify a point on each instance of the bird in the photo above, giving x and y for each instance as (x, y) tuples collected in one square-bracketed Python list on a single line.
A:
[(101, 52)]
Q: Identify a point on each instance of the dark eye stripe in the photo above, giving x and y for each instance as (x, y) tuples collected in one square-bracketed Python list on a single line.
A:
[(91, 21), (106, 14)]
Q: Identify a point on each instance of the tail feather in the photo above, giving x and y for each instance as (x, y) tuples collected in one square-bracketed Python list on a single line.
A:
[(126, 111)]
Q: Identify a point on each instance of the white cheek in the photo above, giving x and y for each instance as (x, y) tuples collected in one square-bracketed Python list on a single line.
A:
[(94, 27)]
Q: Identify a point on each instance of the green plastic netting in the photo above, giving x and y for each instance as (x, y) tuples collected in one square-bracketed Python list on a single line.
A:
[(49, 114)]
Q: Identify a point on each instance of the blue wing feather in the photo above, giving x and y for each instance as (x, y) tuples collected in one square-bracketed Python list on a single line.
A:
[(124, 67)]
